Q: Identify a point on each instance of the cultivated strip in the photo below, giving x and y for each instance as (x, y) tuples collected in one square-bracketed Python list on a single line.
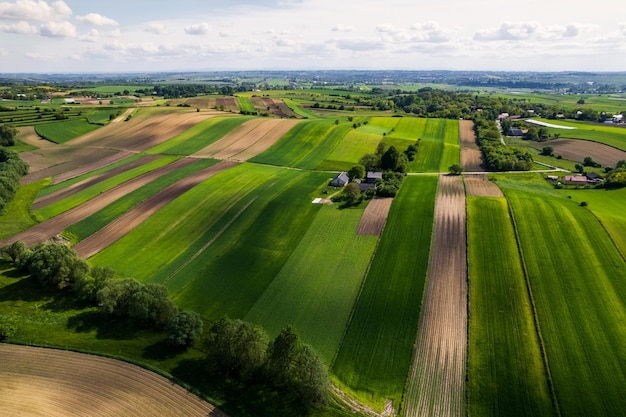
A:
[(57, 383), (374, 217), (436, 381), (480, 186), (124, 224), (471, 158)]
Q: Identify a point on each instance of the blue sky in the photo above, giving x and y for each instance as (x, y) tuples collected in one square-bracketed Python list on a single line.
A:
[(179, 35)]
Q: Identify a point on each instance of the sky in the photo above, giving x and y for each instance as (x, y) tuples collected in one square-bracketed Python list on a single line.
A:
[(94, 36)]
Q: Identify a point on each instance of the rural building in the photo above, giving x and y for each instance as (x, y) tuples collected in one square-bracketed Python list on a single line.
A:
[(516, 132), (364, 186), (340, 180), (553, 177), (70, 101), (371, 177), (575, 180), (593, 177)]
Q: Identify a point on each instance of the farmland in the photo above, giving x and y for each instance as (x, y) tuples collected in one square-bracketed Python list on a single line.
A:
[(479, 295), (608, 135)]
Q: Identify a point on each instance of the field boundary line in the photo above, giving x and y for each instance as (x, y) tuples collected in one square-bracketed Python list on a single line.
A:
[(609, 234), (544, 355)]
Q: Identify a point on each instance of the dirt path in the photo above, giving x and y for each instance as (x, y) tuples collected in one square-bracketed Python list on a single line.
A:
[(470, 154), (374, 217), (52, 227), (57, 383), (436, 382), (127, 222)]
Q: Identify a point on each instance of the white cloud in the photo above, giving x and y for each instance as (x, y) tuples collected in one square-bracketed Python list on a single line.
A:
[(157, 29), (342, 28), (92, 36), (21, 27), (58, 30), (359, 45), (34, 10), (225, 34), (96, 19), (430, 32), (385, 28), (507, 32), (199, 29)]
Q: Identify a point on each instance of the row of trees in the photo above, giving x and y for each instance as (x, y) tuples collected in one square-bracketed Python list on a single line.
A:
[(239, 351), (496, 155), (12, 169)]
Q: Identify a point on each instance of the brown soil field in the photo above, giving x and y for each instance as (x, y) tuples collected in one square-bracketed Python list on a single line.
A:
[(374, 217), (229, 103), (48, 229), (283, 109), (436, 382), (58, 383), (578, 149), (28, 135), (82, 185), (123, 116), (480, 186), (127, 222), (470, 154), (248, 140)]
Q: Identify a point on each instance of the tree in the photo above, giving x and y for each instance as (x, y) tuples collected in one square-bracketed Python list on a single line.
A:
[(56, 265), (547, 151), (456, 169), (351, 193), (184, 329), (579, 168), (14, 250), (369, 162), (392, 160), (356, 172), (7, 135)]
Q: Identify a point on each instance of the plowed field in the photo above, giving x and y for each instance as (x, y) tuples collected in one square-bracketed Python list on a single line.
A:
[(248, 140), (28, 135), (374, 217), (436, 382), (470, 154), (480, 186), (577, 150), (57, 383)]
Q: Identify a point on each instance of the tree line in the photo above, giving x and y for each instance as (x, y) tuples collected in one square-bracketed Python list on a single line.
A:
[(12, 169), (238, 351), (496, 155)]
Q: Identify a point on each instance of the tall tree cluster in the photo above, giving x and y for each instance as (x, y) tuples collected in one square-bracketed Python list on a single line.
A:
[(12, 169)]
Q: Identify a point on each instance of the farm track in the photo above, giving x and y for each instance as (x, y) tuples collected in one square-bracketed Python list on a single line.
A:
[(470, 154), (127, 222), (50, 228), (480, 186), (86, 183), (57, 383), (374, 217), (436, 380)]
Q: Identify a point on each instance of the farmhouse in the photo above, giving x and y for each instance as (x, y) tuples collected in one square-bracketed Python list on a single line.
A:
[(371, 177), (575, 180), (516, 132), (340, 180), (593, 178)]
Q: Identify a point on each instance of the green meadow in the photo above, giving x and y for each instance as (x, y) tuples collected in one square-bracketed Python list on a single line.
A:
[(376, 352), (317, 287), (506, 373), (575, 274), (61, 132), (607, 134)]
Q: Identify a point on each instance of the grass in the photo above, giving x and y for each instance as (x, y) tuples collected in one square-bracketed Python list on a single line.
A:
[(61, 132), (576, 275), (199, 136), (431, 146), (297, 108), (81, 197), (98, 220), (375, 354), (316, 289), (506, 374), (102, 117), (246, 105), (451, 147), (355, 144), (16, 217), (609, 135)]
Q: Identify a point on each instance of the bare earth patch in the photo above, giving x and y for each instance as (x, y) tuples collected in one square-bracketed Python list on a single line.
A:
[(57, 383), (436, 382), (470, 154), (127, 222), (480, 186), (248, 140), (46, 230), (374, 217), (28, 135), (578, 149)]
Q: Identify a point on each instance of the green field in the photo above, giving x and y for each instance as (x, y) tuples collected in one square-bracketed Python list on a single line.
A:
[(63, 131), (607, 134), (16, 217), (316, 289), (451, 147), (376, 352), (575, 272), (198, 137), (506, 374), (431, 146), (246, 105)]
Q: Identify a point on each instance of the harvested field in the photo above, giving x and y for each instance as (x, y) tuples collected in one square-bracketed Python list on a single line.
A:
[(123, 116), (577, 150), (79, 186), (470, 154), (51, 383), (124, 224), (229, 103), (436, 381), (28, 135), (50, 228), (248, 140), (480, 186), (374, 218)]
